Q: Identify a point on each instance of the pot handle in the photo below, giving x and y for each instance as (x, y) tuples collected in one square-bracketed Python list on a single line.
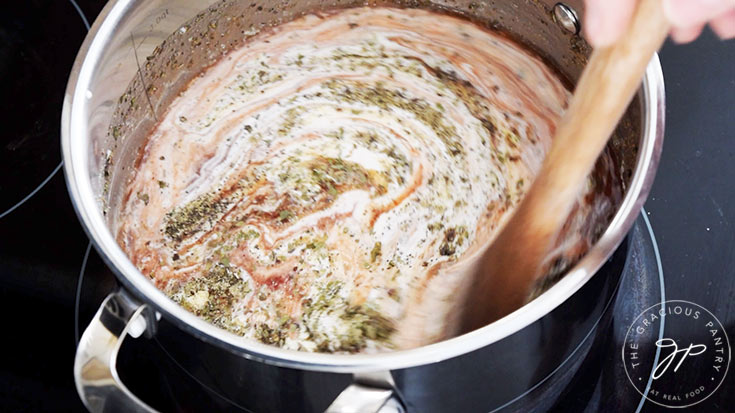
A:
[(369, 393), (95, 372)]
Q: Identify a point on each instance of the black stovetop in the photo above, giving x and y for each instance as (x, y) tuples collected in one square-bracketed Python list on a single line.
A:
[(42, 246)]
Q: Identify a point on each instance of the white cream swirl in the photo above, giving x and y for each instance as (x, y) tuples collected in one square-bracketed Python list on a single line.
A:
[(311, 189)]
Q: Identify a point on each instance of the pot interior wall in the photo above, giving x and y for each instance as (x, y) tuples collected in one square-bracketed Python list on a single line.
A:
[(159, 46)]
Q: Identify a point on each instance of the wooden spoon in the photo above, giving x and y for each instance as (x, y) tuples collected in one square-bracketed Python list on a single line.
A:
[(507, 271)]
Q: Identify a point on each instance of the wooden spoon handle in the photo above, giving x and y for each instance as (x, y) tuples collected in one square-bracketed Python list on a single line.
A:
[(511, 265)]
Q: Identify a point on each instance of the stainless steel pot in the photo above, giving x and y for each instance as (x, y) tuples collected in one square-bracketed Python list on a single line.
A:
[(137, 57)]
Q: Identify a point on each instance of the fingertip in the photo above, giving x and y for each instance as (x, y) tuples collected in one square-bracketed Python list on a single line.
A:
[(605, 21), (591, 25), (676, 13), (687, 13), (686, 34), (724, 25)]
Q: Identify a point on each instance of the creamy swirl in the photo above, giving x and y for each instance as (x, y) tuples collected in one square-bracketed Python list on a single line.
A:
[(314, 189)]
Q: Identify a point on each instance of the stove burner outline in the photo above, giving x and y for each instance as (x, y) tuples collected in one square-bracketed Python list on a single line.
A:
[(53, 173), (78, 297), (663, 305), (33, 192), (81, 13)]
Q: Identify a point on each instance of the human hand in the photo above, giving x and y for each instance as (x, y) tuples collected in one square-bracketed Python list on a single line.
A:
[(606, 20)]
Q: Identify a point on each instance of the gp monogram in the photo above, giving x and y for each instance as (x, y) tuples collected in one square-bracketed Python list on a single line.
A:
[(676, 354)]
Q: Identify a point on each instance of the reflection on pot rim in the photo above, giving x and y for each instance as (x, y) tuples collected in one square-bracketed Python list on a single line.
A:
[(76, 143)]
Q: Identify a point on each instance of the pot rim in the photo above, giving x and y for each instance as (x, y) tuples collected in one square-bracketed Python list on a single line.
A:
[(75, 151)]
